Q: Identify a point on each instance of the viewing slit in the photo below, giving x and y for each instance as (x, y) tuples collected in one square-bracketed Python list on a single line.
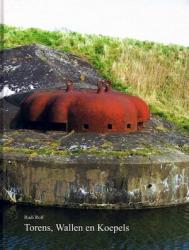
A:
[(86, 126), (57, 126), (38, 125)]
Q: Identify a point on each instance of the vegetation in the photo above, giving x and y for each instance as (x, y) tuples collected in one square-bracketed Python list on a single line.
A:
[(156, 72), (93, 151)]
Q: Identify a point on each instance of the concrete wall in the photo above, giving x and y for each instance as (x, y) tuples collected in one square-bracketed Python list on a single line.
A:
[(134, 182)]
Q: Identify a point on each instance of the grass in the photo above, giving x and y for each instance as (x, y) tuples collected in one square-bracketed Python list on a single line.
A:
[(156, 72), (104, 150), (93, 151)]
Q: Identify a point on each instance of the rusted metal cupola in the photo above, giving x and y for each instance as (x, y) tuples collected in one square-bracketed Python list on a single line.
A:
[(103, 110)]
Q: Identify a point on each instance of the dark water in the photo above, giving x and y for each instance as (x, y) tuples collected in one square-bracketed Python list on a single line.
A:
[(149, 229)]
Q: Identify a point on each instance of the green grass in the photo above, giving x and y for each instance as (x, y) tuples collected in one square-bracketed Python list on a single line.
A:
[(156, 72)]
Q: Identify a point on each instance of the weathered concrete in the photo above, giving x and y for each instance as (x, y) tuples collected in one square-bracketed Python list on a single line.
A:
[(158, 136), (35, 66), (95, 182), (143, 169)]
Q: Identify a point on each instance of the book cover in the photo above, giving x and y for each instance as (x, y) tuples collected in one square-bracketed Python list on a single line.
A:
[(94, 123)]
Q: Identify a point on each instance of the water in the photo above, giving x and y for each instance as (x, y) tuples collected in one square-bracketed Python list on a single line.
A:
[(166, 228)]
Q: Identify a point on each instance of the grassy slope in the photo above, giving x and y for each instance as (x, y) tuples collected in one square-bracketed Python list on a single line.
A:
[(158, 73)]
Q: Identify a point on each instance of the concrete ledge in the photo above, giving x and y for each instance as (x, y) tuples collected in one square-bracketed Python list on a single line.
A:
[(108, 182)]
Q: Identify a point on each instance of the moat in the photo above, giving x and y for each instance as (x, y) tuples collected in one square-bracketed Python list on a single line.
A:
[(166, 228)]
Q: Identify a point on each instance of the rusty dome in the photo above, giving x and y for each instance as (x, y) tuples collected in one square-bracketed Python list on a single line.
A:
[(103, 110)]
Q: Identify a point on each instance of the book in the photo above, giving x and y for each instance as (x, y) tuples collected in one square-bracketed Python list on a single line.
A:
[(94, 146)]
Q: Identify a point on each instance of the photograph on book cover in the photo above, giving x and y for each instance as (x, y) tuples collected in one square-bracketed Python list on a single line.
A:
[(117, 177)]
